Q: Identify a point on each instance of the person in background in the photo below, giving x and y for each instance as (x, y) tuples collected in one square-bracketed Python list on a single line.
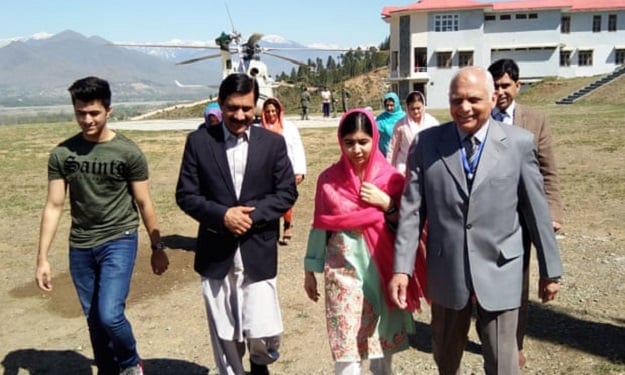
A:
[(273, 119), (326, 100), (236, 181), (474, 180), (351, 242), (386, 120), (107, 178), (407, 128), (212, 114), (345, 96), (505, 73), (305, 103)]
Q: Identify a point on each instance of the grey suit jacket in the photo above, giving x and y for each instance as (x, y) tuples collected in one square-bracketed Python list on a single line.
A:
[(474, 238), (536, 122)]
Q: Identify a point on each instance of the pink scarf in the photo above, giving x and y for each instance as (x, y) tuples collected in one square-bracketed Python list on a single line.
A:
[(338, 207)]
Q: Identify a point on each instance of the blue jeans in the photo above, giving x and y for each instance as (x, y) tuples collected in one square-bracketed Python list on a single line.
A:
[(102, 275)]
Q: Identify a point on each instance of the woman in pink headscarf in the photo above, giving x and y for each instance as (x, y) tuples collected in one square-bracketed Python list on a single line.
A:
[(351, 242), (273, 119)]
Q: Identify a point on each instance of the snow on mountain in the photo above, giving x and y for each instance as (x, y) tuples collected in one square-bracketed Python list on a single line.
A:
[(36, 36)]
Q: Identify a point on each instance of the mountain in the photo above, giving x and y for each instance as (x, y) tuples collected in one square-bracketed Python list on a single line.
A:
[(38, 71)]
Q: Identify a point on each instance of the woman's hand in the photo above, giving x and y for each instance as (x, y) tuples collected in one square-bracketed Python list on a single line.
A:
[(310, 285), (371, 194)]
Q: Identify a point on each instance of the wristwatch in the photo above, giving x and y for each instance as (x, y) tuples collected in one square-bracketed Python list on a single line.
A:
[(158, 247)]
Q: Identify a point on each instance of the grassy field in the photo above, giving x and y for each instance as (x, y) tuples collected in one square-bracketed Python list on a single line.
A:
[(581, 333)]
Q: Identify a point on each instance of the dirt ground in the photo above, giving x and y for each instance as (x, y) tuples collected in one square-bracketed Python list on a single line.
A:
[(583, 332)]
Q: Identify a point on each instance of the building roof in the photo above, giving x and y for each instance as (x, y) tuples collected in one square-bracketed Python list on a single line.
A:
[(525, 5)]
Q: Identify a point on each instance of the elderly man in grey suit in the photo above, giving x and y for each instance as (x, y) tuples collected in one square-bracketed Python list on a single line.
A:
[(474, 180)]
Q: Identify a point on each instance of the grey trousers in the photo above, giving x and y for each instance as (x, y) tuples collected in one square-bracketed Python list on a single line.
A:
[(497, 333)]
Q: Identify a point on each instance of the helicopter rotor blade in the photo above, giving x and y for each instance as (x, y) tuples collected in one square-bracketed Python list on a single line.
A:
[(254, 39), (163, 45), (186, 86), (306, 49), (196, 59), (291, 60)]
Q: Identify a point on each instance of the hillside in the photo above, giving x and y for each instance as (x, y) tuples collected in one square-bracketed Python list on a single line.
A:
[(368, 89)]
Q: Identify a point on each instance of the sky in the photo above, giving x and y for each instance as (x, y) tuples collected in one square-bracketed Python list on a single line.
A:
[(335, 23)]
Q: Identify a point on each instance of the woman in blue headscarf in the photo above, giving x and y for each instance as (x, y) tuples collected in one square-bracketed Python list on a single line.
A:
[(212, 114), (386, 120)]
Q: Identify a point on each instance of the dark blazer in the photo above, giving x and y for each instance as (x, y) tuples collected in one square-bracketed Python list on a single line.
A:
[(205, 191), (474, 238), (536, 122)]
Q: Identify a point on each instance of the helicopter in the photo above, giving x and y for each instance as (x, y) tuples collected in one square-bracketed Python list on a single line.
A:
[(240, 56)]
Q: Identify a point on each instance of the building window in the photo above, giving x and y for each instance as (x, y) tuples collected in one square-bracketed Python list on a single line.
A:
[(394, 64), (612, 22), (505, 17), (584, 58), (465, 58), (619, 57), (420, 60), (533, 16), (446, 22), (565, 58), (443, 60), (520, 16), (565, 25), (596, 24), (489, 17)]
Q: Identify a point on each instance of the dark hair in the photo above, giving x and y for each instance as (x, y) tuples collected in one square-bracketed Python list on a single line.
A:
[(500, 67), (354, 122), (415, 96), (275, 103), (89, 89), (238, 83)]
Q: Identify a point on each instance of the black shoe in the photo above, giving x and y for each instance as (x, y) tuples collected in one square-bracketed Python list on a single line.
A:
[(258, 369)]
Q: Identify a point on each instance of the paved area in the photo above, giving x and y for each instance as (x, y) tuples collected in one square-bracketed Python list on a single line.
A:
[(191, 124)]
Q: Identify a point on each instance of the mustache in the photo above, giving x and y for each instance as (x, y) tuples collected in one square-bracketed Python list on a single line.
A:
[(239, 122)]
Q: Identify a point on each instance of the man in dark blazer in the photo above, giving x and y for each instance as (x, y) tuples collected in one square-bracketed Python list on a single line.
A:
[(505, 73), (236, 181), (474, 180)]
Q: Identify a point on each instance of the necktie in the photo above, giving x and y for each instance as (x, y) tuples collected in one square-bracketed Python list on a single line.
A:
[(470, 146), (500, 116)]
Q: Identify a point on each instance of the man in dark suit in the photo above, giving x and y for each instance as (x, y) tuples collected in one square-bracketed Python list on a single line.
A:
[(505, 73), (473, 180), (236, 181)]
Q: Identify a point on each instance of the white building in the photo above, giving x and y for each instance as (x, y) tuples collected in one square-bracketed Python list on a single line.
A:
[(431, 39)]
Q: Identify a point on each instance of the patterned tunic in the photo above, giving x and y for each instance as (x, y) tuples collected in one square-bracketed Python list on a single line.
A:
[(359, 321)]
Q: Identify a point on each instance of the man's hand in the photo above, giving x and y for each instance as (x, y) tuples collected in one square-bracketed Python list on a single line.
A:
[(547, 289), (238, 219), (310, 285), (397, 290), (299, 178), (43, 276), (556, 226), (159, 262)]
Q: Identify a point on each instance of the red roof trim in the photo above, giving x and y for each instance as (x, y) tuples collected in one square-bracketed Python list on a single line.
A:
[(446, 5)]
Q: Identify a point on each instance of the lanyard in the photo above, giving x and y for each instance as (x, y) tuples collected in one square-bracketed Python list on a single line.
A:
[(470, 168)]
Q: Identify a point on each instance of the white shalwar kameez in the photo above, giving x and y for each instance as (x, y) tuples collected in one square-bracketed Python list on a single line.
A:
[(238, 309)]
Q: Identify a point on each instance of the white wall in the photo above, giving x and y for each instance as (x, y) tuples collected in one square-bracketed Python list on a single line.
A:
[(484, 37)]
